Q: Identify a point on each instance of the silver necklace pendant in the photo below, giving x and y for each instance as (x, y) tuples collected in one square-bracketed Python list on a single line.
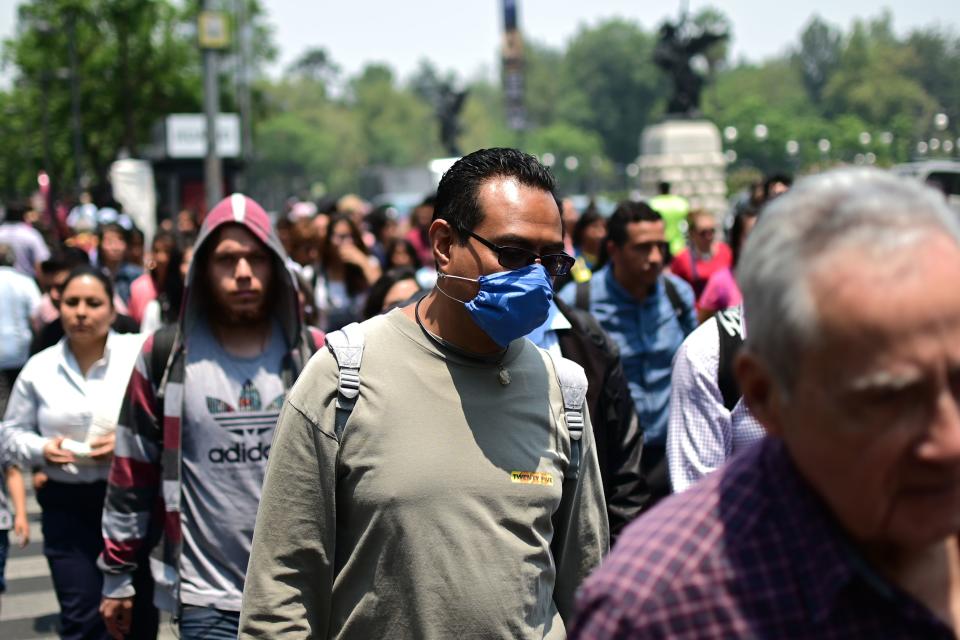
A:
[(504, 376)]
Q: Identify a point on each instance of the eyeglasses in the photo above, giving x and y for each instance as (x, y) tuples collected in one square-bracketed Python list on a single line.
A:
[(556, 264), (707, 231)]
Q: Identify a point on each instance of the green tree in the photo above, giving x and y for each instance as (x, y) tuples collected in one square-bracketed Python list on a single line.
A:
[(399, 129), (135, 66), (114, 41), (818, 55), (872, 80), (611, 86), (564, 141), (934, 65), (543, 67)]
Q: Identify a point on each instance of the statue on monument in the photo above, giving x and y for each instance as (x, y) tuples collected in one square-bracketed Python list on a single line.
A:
[(447, 106), (676, 48)]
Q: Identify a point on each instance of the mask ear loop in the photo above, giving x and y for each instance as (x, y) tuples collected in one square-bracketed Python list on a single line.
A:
[(441, 275)]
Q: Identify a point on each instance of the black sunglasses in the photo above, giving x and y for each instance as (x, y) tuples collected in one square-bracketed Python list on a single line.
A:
[(556, 264)]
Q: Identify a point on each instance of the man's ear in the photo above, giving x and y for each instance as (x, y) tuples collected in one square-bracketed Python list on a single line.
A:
[(762, 395), (611, 248), (441, 239)]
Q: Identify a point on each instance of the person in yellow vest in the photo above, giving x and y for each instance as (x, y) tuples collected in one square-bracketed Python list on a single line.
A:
[(673, 209)]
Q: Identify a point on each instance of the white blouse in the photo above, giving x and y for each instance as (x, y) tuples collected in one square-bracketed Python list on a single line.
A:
[(51, 398)]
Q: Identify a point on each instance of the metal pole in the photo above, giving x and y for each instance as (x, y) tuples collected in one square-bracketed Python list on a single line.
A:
[(243, 98), (75, 100), (213, 174)]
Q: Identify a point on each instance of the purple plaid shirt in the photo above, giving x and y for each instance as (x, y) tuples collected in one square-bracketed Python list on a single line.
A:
[(749, 552)]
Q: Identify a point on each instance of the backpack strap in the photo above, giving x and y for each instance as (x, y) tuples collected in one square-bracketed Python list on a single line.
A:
[(582, 300), (161, 353), (730, 330), (679, 309), (573, 388), (347, 347)]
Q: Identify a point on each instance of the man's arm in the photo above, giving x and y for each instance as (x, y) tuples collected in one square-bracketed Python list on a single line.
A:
[(581, 534), (698, 432), (628, 488), (289, 583), (133, 486), (22, 442), (689, 319), (18, 496)]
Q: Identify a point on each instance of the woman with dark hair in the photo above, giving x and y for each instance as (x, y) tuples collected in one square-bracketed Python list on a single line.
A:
[(165, 308), (419, 235), (112, 243), (346, 272), (588, 235), (394, 287), (61, 417), (400, 252), (722, 291), (164, 252)]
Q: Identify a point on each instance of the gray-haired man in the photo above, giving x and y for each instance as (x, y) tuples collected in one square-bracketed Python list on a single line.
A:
[(843, 521)]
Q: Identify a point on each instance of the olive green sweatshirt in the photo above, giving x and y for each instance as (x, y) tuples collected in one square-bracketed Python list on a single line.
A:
[(441, 512)]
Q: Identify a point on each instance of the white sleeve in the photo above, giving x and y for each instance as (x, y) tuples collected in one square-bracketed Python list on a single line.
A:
[(21, 439), (698, 433)]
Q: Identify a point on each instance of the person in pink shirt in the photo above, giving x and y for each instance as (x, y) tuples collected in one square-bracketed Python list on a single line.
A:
[(704, 255), (420, 219), (722, 291)]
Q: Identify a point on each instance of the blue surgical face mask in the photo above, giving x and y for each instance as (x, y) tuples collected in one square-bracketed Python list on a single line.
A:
[(510, 304)]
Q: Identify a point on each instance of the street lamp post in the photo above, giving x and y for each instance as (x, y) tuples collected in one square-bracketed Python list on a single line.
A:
[(212, 33)]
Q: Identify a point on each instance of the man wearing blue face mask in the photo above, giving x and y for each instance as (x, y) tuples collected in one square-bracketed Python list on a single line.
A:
[(447, 501)]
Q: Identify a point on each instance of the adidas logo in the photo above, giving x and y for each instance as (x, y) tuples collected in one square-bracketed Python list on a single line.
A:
[(249, 420)]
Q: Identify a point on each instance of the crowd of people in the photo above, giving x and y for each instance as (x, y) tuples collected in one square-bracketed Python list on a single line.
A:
[(336, 421)]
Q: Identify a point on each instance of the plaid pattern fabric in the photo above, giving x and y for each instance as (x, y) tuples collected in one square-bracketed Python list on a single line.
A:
[(702, 433), (749, 552)]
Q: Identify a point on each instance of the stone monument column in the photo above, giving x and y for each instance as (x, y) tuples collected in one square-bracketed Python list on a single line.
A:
[(688, 154)]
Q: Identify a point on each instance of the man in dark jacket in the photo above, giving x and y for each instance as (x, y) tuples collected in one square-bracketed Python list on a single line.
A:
[(616, 429)]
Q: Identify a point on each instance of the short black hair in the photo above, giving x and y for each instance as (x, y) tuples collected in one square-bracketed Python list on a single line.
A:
[(16, 211), (379, 290), (457, 201), (589, 216), (113, 227), (628, 212), (663, 187), (737, 231), (93, 272), (65, 258), (775, 178)]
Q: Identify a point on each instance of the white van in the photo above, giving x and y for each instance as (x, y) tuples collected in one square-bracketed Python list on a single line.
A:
[(941, 174)]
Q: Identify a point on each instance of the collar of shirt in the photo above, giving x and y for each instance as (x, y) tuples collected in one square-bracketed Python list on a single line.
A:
[(68, 362), (617, 291)]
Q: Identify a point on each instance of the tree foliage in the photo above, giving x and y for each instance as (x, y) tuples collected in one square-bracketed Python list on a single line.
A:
[(869, 91)]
